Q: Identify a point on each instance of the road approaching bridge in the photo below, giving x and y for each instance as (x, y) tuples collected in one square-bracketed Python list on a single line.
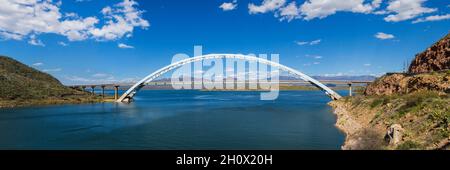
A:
[(129, 94)]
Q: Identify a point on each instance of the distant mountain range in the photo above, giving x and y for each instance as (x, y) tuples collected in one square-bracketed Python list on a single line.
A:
[(346, 78), (334, 78)]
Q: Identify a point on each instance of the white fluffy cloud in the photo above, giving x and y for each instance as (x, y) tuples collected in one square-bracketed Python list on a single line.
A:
[(123, 17), (122, 45), (384, 36), (36, 42), (25, 19), (393, 11), (266, 6), (228, 6), (432, 18), (289, 12), (406, 9), (322, 8)]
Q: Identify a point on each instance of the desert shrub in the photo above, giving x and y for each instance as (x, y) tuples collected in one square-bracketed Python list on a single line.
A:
[(409, 145), (441, 117), (415, 101), (376, 102), (370, 140)]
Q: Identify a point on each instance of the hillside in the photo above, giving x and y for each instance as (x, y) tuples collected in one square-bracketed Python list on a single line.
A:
[(435, 58), (420, 120), (22, 85), (402, 110), (400, 83)]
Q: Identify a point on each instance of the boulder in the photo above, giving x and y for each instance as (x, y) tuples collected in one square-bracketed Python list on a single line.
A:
[(394, 134)]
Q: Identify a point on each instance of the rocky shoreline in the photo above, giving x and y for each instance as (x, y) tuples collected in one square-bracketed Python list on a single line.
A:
[(345, 123), (359, 135), (413, 121)]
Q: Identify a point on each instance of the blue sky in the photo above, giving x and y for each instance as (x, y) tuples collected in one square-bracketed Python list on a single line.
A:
[(91, 41)]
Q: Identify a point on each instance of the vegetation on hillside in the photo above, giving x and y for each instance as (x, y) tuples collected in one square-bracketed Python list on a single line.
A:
[(424, 116), (22, 85)]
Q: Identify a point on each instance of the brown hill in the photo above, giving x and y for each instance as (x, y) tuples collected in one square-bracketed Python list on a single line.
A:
[(428, 71), (403, 83), (435, 58)]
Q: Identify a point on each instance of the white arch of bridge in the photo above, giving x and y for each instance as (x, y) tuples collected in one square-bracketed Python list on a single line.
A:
[(136, 87)]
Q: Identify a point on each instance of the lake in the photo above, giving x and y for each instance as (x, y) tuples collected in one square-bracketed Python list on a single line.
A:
[(178, 119)]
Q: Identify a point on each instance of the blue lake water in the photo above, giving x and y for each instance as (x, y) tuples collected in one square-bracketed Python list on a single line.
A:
[(183, 119)]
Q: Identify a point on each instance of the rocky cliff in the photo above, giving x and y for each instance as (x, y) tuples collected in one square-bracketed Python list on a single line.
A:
[(435, 58), (399, 83), (430, 70)]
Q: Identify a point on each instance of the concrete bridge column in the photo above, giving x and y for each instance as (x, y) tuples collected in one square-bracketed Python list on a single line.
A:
[(116, 92), (93, 90), (350, 89), (103, 91)]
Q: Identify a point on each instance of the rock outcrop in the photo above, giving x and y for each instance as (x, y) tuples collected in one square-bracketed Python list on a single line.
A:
[(399, 83), (435, 58), (430, 70), (394, 134)]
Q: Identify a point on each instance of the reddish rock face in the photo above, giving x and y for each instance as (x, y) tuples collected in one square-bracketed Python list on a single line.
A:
[(435, 58), (402, 84)]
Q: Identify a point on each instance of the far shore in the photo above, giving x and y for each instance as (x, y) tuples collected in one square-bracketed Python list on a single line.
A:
[(84, 99)]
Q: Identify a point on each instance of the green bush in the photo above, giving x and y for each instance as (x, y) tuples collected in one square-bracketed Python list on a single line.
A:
[(409, 145), (376, 103), (441, 117)]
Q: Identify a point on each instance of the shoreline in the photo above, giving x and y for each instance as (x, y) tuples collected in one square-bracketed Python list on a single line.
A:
[(4, 104), (345, 123), (393, 122)]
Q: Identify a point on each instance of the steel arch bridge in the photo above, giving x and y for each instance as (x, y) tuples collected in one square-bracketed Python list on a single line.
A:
[(128, 95)]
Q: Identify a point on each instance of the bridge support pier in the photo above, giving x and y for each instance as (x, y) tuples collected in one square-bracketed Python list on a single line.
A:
[(93, 90), (116, 92), (350, 89), (103, 91)]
